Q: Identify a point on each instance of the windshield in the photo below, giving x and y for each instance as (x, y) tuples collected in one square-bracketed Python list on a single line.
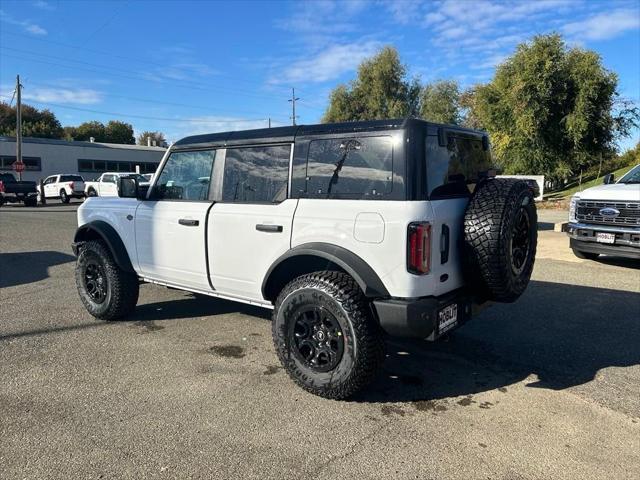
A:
[(631, 177)]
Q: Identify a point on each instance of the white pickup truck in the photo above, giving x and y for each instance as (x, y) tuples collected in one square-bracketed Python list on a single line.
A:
[(64, 186), (606, 219), (107, 184)]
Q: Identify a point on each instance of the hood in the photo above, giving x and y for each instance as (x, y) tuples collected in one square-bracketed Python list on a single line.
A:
[(614, 192)]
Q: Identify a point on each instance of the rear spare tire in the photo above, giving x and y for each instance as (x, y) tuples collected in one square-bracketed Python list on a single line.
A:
[(500, 239)]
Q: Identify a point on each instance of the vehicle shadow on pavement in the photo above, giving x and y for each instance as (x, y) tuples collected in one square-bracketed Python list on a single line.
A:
[(563, 334), (20, 268)]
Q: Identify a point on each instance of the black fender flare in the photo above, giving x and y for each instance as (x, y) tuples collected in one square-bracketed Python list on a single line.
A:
[(366, 278), (105, 232)]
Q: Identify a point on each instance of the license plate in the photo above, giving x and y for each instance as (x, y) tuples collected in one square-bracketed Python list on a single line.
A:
[(447, 318), (605, 237)]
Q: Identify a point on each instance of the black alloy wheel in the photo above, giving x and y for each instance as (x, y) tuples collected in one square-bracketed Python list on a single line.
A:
[(520, 242), (316, 338), (95, 281)]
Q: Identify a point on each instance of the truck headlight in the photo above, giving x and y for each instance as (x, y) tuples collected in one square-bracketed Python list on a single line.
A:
[(572, 208)]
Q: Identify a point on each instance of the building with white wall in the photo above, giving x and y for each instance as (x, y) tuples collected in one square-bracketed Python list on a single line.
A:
[(44, 156)]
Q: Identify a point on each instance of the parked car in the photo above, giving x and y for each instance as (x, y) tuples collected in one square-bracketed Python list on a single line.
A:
[(346, 231), (606, 219), (14, 191), (63, 186), (107, 184)]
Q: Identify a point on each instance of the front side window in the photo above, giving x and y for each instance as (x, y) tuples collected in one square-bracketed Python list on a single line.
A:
[(350, 167), (256, 174), (453, 169), (185, 176), (108, 179)]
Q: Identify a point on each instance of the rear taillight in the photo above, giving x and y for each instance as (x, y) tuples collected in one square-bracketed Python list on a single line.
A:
[(71, 185), (419, 248), (1, 186)]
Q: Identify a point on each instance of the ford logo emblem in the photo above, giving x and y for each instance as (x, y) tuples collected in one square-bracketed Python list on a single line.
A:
[(609, 212)]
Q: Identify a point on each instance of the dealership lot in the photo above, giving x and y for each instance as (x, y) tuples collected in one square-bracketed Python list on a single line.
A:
[(190, 387)]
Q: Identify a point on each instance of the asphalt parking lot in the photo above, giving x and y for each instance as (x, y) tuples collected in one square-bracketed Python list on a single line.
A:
[(547, 387)]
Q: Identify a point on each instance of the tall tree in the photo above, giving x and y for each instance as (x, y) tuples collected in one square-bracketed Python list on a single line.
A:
[(440, 102), (550, 109), (94, 129), (157, 137), (381, 90), (35, 123), (120, 132)]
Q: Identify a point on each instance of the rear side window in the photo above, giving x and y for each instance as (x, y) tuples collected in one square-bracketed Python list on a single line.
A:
[(185, 176), (454, 170), (71, 178), (256, 174), (360, 168)]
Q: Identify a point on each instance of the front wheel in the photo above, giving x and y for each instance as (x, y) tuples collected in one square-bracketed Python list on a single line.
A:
[(107, 292), (325, 335)]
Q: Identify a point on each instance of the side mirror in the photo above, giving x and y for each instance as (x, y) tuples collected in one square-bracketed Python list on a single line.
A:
[(608, 179), (128, 187)]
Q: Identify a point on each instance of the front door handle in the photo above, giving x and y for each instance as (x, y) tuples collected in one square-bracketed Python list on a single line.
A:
[(261, 227), (187, 222)]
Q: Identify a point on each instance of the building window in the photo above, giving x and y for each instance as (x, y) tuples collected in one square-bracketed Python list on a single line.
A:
[(33, 164), (256, 174), (100, 166)]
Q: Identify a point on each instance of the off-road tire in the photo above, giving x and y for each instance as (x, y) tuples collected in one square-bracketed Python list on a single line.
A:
[(64, 198), (122, 288), (491, 218), (363, 345), (585, 255), (31, 202)]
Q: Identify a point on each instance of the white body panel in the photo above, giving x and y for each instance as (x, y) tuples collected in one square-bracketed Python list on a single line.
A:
[(168, 251), (239, 254), (108, 188), (339, 222)]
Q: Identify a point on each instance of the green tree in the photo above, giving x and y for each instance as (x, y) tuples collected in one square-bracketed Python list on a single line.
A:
[(440, 102), (550, 110), (35, 123), (94, 129), (120, 132), (381, 90), (158, 137)]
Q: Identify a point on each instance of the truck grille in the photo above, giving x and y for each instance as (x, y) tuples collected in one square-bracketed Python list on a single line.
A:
[(589, 212)]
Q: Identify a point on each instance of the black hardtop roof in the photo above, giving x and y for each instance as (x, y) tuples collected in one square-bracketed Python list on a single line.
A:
[(288, 134)]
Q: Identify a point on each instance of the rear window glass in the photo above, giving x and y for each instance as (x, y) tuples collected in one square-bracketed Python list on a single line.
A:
[(358, 167), (71, 178), (454, 170)]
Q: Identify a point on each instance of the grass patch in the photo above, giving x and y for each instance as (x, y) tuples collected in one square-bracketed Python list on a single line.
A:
[(573, 189)]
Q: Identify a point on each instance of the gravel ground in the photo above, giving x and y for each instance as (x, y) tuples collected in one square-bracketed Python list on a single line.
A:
[(547, 387)]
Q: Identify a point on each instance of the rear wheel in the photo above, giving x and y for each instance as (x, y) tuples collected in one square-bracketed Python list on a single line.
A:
[(64, 197), (107, 292), (91, 193), (585, 255), (325, 335)]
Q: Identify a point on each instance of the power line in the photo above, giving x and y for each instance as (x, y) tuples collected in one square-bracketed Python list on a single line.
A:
[(122, 57), (142, 76), (153, 101), (144, 117)]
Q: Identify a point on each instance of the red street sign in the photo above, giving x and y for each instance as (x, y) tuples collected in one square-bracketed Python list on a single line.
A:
[(18, 167)]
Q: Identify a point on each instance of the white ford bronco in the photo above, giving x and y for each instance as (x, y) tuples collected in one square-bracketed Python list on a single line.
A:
[(347, 231), (606, 219)]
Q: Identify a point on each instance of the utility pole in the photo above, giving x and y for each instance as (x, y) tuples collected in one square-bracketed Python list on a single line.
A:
[(269, 122), (293, 100), (19, 127)]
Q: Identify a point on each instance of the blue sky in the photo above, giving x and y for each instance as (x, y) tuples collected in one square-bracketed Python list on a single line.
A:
[(192, 67)]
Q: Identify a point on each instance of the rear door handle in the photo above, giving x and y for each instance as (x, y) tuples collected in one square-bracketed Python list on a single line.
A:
[(261, 227), (187, 222)]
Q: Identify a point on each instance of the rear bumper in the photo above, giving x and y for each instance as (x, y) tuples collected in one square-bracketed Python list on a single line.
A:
[(419, 317)]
